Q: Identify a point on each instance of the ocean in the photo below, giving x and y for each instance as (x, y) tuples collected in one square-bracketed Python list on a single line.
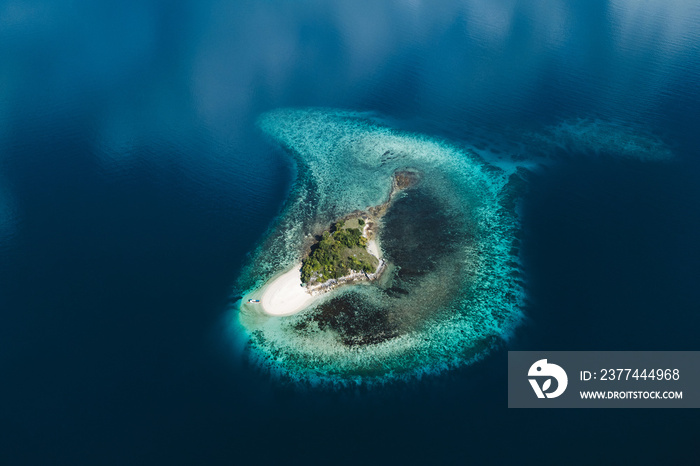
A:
[(142, 182)]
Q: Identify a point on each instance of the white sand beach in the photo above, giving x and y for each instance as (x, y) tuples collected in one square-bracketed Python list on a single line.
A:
[(284, 295), (373, 248)]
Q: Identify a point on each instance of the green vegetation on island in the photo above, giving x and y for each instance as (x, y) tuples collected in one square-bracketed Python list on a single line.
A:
[(339, 252)]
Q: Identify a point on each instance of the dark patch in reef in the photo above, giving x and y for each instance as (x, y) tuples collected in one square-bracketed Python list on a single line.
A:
[(418, 233), (357, 321), (404, 179)]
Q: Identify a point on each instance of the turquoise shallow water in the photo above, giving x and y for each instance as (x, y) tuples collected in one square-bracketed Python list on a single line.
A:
[(457, 302)]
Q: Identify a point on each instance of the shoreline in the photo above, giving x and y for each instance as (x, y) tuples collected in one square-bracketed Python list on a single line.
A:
[(286, 295)]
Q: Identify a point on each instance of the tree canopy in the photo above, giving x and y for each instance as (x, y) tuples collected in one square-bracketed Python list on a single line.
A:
[(336, 254)]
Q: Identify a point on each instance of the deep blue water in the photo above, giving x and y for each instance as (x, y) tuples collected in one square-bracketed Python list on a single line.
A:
[(133, 182)]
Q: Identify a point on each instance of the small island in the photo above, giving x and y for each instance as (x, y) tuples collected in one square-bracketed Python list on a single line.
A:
[(342, 253), (346, 253)]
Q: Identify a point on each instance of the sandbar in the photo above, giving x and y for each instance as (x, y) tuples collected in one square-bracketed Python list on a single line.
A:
[(284, 295), (373, 248)]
